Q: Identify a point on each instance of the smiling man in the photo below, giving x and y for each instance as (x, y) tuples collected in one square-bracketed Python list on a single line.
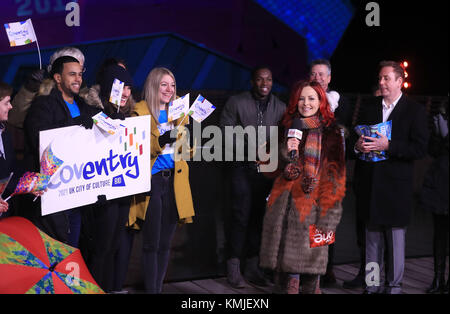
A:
[(62, 107), (384, 189), (250, 188)]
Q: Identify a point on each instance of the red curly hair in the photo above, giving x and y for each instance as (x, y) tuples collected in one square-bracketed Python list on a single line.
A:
[(325, 113)]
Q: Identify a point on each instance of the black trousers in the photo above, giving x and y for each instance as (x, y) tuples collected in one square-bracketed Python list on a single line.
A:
[(361, 242), (108, 224), (249, 191), (122, 257), (440, 243), (158, 230), (360, 228)]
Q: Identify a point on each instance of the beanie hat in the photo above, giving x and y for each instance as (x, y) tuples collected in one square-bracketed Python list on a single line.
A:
[(113, 72)]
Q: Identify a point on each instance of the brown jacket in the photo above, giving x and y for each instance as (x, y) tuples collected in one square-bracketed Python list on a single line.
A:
[(183, 195)]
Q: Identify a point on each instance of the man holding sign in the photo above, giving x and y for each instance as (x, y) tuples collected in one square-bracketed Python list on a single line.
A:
[(61, 108)]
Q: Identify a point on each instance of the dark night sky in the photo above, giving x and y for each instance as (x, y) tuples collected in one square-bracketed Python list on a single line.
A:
[(413, 30)]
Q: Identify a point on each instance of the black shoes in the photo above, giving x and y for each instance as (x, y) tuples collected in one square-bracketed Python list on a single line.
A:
[(253, 273), (357, 282), (328, 280), (234, 276), (438, 286)]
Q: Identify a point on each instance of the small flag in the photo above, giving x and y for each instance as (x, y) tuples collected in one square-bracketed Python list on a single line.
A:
[(31, 182), (201, 109), (20, 33), (49, 162), (116, 92), (178, 108), (107, 124)]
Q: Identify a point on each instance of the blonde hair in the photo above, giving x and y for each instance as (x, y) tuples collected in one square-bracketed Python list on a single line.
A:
[(151, 90)]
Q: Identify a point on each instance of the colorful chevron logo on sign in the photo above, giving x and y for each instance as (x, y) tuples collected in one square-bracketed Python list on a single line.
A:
[(129, 140)]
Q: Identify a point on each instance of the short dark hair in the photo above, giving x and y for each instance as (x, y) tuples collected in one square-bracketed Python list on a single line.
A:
[(320, 61), (398, 70), (58, 64), (5, 90), (258, 68)]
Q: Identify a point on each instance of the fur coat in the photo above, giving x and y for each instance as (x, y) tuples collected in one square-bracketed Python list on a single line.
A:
[(285, 243)]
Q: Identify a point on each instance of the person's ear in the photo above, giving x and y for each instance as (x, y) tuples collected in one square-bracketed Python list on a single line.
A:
[(57, 77)]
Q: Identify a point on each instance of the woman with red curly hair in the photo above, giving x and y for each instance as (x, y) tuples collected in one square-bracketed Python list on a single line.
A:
[(305, 200), (293, 108)]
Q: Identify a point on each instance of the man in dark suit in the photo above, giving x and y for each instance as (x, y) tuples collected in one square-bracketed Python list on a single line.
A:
[(384, 189)]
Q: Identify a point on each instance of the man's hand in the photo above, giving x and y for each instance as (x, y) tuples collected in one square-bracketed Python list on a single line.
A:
[(359, 145), (3, 206), (375, 143), (85, 121)]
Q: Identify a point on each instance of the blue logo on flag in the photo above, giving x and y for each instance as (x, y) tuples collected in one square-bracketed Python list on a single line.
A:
[(118, 181)]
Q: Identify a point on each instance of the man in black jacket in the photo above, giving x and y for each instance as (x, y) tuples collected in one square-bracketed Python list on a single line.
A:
[(61, 108), (384, 189), (251, 109)]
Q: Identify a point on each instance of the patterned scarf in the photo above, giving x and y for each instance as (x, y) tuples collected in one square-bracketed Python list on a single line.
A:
[(311, 155)]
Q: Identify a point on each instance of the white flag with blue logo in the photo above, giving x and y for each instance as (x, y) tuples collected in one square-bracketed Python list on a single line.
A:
[(201, 109), (178, 108), (20, 33)]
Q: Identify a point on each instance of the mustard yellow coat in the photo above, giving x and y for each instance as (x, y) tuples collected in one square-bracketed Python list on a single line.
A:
[(182, 189)]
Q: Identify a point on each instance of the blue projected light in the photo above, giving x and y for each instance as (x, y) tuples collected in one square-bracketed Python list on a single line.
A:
[(322, 23)]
